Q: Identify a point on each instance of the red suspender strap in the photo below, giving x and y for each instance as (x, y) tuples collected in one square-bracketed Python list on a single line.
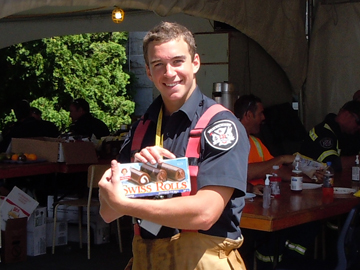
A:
[(139, 136), (193, 147)]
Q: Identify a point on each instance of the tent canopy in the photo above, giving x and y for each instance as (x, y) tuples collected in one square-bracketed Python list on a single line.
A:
[(330, 67), (278, 26)]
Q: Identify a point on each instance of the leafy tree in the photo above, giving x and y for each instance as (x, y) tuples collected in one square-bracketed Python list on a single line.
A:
[(52, 71)]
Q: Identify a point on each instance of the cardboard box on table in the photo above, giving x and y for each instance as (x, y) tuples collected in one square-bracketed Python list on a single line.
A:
[(56, 150), (15, 210)]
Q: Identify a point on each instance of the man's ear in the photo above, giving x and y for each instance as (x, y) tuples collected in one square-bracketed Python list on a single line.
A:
[(196, 63), (248, 114)]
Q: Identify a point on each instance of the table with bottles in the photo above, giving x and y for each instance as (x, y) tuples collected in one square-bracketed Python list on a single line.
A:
[(295, 208)]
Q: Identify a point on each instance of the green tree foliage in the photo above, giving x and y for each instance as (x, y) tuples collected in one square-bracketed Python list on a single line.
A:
[(52, 71)]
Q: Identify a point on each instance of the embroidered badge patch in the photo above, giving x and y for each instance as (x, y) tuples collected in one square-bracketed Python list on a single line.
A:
[(222, 135), (326, 142)]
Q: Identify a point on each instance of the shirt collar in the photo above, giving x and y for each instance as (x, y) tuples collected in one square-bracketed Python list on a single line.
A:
[(189, 108)]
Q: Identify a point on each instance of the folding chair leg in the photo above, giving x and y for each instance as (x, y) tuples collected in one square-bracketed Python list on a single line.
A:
[(80, 225), (88, 228)]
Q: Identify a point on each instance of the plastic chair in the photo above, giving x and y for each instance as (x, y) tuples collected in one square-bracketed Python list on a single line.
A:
[(95, 172), (348, 246)]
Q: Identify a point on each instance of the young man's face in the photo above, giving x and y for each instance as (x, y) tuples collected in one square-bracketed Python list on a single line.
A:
[(172, 70)]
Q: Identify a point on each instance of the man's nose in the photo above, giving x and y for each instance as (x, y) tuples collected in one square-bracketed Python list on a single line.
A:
[(169, 71)]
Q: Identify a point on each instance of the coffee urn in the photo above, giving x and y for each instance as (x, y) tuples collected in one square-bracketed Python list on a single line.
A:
[(224, 94)]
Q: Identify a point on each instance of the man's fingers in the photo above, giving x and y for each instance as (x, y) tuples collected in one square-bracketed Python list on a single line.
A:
[(115, 173), (153, 154)]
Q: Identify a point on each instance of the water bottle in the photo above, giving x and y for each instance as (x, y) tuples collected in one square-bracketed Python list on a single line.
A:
[(328, 184), (267, 192), (296, 177), (275, 181), (355, 172)]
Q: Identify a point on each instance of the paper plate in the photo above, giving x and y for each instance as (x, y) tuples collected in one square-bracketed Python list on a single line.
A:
[(341, 190), (311, 185), (249, 195)]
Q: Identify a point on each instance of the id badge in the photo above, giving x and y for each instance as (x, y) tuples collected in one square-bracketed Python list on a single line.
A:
[(151, 227)]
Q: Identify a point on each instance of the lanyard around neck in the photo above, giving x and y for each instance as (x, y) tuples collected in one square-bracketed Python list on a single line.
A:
[(159, 137)]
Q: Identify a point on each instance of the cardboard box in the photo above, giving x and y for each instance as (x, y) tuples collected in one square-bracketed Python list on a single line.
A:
[(37, 219), (14, 241), (100, 232), (56, 150), (17, 204), (61, 232), (36, 241)]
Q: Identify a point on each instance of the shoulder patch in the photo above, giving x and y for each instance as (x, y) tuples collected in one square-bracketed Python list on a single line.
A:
[(222, 135), (326, 142)]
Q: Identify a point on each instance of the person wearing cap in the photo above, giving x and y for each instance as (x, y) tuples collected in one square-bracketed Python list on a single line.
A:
[(324, 141), (84, 123)]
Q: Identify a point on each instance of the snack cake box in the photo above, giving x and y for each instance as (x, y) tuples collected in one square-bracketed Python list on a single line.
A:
[(143, 179)]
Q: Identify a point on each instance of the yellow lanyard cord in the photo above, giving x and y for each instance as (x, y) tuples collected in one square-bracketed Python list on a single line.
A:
[(159, 137)]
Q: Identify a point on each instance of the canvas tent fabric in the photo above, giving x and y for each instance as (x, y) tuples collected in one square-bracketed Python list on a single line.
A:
[(334, 60), (325, 70), (278, 26)]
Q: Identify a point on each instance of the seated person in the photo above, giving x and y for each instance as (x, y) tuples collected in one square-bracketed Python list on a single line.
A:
[(324, 141), (350, 143), (26, 126), (50, 126), (250, 111), (84, 123)]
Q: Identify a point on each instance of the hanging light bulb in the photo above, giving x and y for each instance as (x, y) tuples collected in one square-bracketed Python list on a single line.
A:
[(117, 15)]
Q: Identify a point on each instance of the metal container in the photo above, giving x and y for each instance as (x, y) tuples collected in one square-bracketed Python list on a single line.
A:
[(224, 94)]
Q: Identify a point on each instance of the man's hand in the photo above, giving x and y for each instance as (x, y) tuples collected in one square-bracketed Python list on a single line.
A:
[(153, 154), (258, 190), (111, 194)]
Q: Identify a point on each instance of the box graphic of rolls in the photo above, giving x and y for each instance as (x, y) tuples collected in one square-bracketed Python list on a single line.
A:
[(141, 180)]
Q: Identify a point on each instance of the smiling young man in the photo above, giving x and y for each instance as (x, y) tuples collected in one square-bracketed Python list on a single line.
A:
[(199, 231)]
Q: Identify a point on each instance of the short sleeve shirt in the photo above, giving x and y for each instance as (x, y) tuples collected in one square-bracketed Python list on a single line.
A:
[(218, 166)]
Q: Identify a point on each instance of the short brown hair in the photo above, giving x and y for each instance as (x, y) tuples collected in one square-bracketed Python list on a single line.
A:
[(244, 104), (166, 31)]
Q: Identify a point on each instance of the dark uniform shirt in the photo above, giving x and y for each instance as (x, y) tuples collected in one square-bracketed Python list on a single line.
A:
[(219, 165), (322, 142), (87, 125)]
